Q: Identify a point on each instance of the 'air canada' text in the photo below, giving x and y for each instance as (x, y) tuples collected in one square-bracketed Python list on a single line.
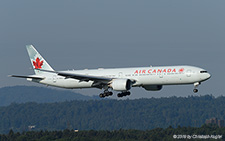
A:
[(159, 71)]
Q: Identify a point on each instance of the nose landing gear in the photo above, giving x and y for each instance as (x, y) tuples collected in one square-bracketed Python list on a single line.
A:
[(196, 85), (195, 90)]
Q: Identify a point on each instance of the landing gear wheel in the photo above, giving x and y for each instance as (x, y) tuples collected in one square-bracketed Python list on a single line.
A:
[(105, 94), (110, 93), (195, 90), (128, 93), (101, 95), (123, 94), (119, 95)]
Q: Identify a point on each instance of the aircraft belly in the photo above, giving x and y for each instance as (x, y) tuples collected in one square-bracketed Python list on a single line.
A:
[(71, 83), (151, 80), (165, 80)]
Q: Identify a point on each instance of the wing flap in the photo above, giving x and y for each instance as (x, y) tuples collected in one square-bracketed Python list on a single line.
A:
[(83, 77)]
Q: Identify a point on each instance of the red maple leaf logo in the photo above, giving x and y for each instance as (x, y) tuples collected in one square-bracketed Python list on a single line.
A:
[(181, 70), (38, 63)]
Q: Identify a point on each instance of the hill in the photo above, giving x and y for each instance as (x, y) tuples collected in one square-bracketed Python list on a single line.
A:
[(23, 94), (141, 114)]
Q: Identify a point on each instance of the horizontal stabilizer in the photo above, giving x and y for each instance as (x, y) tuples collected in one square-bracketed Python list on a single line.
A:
[(28, 76)]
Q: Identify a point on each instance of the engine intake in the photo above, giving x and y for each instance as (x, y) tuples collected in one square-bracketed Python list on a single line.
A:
[(121, 84)]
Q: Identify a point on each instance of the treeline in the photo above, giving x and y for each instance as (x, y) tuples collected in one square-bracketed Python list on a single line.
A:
[(187, 133), (140, 114)]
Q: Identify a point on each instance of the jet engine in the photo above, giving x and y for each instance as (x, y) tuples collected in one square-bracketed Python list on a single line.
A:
[(121, 84), (152, 87)]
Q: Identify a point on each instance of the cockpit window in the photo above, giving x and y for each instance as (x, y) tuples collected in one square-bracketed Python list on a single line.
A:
[(203, 71)]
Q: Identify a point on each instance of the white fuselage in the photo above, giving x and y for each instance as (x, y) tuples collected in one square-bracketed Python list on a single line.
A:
[(117, 79), (143, 76)]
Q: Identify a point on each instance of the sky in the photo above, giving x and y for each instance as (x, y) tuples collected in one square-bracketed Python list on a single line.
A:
[(112, 34)]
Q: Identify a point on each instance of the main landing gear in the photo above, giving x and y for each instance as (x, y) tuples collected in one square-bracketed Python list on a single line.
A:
[(123, 94), (108, 93), (196, 85), (105, 94)]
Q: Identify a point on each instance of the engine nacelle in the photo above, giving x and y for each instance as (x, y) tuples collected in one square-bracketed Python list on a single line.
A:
[(121, 84), (152, 87)]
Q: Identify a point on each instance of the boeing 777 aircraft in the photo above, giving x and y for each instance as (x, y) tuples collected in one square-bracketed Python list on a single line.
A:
[(116, 79)]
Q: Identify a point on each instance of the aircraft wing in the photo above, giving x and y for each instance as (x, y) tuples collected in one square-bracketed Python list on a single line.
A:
[(99, 81), (28, 76), (82, 77)]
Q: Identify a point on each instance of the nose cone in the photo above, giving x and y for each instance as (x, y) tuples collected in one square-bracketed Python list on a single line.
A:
[(206, 76)]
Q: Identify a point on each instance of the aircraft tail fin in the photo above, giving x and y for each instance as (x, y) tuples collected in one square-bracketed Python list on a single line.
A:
[(37, 61)]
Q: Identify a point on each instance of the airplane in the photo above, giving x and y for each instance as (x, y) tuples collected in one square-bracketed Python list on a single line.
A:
[(114, 79)]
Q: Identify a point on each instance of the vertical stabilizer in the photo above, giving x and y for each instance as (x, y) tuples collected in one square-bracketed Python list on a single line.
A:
[(37, 61)]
